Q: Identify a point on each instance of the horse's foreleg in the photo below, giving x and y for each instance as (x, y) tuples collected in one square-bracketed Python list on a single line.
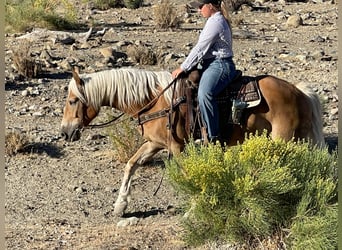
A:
[(145, 153)]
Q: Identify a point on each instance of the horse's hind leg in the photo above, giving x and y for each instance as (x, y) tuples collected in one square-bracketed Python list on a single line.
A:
[(283, 129), (145, 153)]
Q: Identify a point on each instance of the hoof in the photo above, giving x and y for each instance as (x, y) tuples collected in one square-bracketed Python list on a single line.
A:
[(120, 207)]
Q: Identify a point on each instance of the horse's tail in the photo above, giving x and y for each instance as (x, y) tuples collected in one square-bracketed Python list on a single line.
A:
[(317, 123)]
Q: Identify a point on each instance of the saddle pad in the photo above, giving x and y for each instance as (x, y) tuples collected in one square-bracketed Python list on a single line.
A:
[(250, 93)]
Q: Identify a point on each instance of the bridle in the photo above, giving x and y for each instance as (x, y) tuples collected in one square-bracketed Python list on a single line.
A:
[(105, 124)]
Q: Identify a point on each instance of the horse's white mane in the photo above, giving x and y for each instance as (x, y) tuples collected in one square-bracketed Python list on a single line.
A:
[(124, 86)]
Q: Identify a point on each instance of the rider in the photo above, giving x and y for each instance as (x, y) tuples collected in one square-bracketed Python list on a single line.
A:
[(214, 52)]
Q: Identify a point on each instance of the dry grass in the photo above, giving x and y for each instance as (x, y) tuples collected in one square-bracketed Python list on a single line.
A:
[(141, 54), (165, 15), (23, 61), (15, 142)]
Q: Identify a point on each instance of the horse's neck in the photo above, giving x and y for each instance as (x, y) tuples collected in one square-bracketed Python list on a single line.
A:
[(108, 91)]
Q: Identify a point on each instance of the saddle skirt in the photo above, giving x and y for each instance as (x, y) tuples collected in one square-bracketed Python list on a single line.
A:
[(241, 94), (243, 89)]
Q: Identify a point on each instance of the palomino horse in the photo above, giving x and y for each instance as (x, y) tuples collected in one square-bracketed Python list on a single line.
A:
[(287, 112)]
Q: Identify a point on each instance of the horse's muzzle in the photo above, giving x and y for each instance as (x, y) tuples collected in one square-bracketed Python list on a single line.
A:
[(71, 135)]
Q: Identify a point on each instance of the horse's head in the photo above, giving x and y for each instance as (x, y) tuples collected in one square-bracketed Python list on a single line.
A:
[(77, 112)]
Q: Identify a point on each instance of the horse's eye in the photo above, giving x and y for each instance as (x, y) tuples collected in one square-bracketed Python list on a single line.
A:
[(73, 101)]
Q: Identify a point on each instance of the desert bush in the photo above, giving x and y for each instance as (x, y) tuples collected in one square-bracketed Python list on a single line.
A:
[(165, 15), (234, 5), (141, 54), (255, 189), (15, 142), (105, 4), (133, 4), (314, 231), (27, 14), (125, 138), (24, 62)]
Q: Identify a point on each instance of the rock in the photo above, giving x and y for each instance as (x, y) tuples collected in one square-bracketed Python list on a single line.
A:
[(45, 55), (110, 35), (294, 21), (276, 40), (85, 45), (334, 111), (68, 40), (94, 137), (25, 92), (65, 65), (302, 58), (101, 32), (317, 54), (106, 52), (37, 114), (128, 222), (122, 43), (318, 39)]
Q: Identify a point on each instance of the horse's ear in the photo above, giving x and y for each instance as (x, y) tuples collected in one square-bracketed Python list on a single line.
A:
[(76, 69), (75, 75)]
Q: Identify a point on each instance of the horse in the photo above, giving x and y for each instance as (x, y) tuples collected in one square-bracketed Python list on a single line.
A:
[(288, 111)]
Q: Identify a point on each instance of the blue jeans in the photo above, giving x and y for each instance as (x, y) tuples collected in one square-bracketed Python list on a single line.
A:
[(217, 74)]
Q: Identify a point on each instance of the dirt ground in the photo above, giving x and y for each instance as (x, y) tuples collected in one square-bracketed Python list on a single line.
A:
[(60, 195)]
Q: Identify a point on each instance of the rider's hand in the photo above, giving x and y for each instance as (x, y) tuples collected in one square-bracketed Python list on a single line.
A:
[(176, 72)]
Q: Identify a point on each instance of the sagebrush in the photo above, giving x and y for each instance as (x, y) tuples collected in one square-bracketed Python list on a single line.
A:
[(165, 15), (125, 138), (15, 142), (141, 54), (255, 189), (24, 62)]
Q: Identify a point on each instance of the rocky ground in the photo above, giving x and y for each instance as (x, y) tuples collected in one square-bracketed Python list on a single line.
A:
[(60, 195)]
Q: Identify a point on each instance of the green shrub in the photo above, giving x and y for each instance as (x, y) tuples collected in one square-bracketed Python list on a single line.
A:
[(315, 231), (253, 190), (24, 15)]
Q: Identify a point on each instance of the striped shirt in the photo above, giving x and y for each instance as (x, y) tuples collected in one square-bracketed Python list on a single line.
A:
[(215, 41)]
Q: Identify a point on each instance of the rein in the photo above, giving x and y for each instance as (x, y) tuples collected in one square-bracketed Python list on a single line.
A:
[(154, 100), (106, 124)]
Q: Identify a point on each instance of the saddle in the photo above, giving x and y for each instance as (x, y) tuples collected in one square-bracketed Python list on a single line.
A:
[(240, 95)]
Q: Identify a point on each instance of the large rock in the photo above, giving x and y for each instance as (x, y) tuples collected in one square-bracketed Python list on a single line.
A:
[(294, 21)]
